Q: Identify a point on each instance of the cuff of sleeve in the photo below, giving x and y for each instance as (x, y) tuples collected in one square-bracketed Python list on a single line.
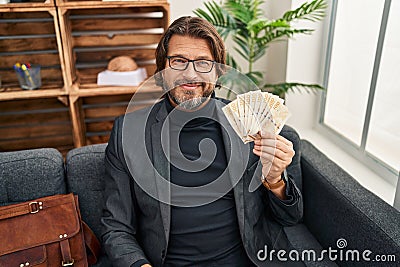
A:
[(139, 263), (290, 193)]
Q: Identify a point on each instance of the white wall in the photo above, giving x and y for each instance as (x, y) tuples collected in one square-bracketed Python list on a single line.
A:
[(181, 8), (304, 65), (275, 60)]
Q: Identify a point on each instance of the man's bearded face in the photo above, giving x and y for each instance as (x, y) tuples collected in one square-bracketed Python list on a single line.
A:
[(190, 89)]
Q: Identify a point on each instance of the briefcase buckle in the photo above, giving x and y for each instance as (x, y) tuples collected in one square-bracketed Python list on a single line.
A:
[(35, 206)]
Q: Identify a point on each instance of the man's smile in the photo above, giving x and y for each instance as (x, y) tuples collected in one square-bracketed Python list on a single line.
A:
[(190, 86)]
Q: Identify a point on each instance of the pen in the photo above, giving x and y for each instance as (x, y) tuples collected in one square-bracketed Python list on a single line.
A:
[(25, 69), (17, 67), (20, 74)]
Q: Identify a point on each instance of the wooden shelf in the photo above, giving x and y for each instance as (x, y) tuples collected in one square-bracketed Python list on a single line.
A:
[(79, 3), (28, 5), (110, 90), (14, 94)]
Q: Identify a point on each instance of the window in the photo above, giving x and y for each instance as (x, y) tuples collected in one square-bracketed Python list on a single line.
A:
[(363, 82)]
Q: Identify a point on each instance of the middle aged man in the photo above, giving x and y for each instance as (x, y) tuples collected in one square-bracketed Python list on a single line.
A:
[(150, 222)]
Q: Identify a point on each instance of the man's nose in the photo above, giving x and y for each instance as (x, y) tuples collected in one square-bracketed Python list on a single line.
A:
[(190, 72)]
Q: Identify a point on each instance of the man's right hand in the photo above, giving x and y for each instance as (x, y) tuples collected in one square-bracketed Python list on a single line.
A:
[(146, 265)]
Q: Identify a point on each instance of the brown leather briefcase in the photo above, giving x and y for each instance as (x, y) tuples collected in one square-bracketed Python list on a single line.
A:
[(46, 232)]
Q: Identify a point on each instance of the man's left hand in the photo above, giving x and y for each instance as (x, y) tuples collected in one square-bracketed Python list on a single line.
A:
[(276, 153)]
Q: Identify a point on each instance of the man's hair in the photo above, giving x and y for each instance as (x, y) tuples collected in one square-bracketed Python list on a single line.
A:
[(193, 27)]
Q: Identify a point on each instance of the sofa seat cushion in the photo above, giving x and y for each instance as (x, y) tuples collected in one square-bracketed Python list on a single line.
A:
[(305, 244)]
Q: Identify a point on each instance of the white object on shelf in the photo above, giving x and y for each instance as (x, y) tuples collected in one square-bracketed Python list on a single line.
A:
[(122, 78)]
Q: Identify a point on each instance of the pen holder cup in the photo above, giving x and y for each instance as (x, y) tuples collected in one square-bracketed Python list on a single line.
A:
[(29, 78)]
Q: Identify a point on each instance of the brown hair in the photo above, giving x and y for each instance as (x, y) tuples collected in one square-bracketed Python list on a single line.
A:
[(193, 27)]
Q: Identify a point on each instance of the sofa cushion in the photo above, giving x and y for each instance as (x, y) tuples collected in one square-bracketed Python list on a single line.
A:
[(85, 178), (30, 174), (304, 243), (337, 207), (85, 172)]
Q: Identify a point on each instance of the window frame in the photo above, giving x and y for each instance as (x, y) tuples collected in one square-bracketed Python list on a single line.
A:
[(358, 151)]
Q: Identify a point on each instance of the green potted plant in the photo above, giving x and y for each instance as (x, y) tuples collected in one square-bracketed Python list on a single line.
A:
[(244, 22)]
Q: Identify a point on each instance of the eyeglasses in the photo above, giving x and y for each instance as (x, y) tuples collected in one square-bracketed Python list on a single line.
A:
[(181, 63)]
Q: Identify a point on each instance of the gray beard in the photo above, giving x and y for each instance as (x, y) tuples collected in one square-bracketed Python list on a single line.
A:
[(190, 103)]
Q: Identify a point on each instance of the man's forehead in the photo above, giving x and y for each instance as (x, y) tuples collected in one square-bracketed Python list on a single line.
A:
[(187, 46), (189, 55)]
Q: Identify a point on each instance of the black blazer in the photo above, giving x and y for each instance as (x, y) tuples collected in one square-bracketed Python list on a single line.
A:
[(136, 214)]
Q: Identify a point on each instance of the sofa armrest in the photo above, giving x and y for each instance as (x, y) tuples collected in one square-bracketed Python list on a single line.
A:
[(337, 206)]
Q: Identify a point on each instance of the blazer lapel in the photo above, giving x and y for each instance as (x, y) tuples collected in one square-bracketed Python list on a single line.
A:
[(160, 145)]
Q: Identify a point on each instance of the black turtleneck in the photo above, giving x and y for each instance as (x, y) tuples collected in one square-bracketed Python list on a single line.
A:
[(208, 234)]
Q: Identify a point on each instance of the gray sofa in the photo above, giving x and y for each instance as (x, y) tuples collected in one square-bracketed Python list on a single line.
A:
[(339, 214)]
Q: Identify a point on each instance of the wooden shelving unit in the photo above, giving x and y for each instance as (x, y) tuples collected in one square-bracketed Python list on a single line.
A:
[(73, 41)]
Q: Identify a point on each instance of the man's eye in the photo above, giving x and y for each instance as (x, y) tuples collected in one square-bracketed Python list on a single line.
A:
[(179, 60), (203, 63)]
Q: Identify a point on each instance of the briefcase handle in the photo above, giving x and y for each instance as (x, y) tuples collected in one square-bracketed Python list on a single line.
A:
[(92, 244)]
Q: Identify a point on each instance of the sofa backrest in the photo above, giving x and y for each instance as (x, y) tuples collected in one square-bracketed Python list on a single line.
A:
[(337, 207), (30, 174), (85, 178)]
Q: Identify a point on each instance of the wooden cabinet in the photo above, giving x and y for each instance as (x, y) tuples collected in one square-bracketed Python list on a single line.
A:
[(72, 41)]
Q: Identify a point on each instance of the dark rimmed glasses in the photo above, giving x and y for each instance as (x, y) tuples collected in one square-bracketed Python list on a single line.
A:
[(182, 63)]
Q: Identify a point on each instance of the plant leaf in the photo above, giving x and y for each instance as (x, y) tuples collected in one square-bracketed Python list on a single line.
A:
[(232, 62), (280, 33), (312, 11), (217, 16), (283, 88), (255, 76)]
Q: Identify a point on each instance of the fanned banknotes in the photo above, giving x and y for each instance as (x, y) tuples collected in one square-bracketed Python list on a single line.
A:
[(254, 111)]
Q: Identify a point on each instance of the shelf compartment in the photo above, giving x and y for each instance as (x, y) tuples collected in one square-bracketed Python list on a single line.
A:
[(35, 123), (100, 112), (32, 36), (93, 36)]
